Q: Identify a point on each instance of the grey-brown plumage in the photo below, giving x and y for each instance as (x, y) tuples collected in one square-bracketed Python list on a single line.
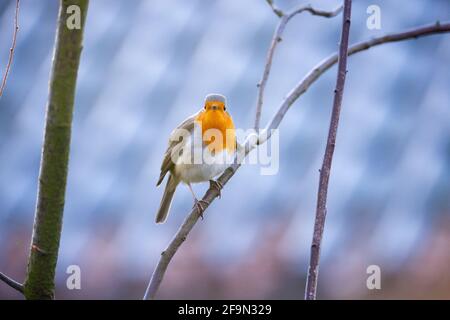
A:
[(166, 200), (168, 165)]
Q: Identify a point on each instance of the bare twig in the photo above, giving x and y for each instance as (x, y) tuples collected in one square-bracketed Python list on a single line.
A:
[(11, 50), (12, 283), (182, 233), (275, 40), (321, 210), (212, 193), (275, 9), (327, 63), (315, 12)]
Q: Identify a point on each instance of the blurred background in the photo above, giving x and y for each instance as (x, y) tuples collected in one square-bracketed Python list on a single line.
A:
[(147, 65)]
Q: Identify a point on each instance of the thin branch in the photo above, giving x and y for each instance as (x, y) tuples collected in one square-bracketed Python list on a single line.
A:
[(12, 283), (277, 37), (315, 12), (327, 63), (321, 210), (274, 8), (212, 193), (11, 50), (182, 233)]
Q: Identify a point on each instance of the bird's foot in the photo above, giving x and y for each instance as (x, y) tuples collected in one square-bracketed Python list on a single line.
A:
[(200, 205), (216, 185)]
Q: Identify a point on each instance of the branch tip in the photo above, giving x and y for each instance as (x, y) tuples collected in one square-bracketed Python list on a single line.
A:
[(275, 9), (11, 50), (12, 283)]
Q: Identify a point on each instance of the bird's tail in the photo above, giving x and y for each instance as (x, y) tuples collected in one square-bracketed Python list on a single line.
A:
[(166, 200)]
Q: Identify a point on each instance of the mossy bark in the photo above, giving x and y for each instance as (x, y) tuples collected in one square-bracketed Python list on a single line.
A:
[(39, 283)]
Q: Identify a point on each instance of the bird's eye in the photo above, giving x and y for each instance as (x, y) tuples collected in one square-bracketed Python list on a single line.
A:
[(224, 108)]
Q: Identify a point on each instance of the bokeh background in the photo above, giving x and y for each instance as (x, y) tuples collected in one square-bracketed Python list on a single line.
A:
[(146, 65)]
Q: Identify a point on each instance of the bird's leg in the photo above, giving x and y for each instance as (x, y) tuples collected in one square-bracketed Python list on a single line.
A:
[(216, 185), (198, 204)]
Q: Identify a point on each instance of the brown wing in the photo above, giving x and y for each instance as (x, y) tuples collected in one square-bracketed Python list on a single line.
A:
[(175, 145)]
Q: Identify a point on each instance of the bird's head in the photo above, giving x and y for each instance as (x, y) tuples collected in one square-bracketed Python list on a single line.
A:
[(215, 103), (215, 116)]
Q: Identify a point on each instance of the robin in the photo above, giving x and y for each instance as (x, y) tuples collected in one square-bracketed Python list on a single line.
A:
[(199, 149)]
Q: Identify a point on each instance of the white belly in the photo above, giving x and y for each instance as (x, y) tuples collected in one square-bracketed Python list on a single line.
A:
[(197, 164)]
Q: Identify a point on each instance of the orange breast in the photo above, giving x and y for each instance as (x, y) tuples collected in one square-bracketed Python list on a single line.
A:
[(224, 130)]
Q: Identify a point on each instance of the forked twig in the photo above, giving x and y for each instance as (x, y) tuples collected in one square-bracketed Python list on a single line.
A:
[(277, 37)]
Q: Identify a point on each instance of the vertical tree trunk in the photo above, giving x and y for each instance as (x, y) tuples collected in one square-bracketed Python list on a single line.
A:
[(39, 283)]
